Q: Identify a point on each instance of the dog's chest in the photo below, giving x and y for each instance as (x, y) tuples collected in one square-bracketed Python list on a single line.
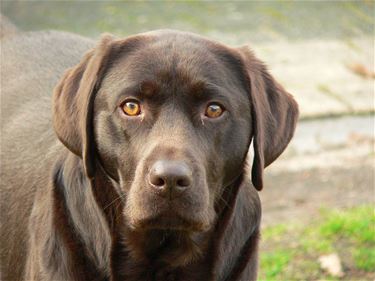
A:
[(149, 272)]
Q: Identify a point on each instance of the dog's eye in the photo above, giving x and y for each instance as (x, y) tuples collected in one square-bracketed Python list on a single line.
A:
[(131, 108), (214, 110)]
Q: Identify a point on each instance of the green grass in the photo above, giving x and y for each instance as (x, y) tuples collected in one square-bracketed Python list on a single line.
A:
[(275, 262), (291, 252), (357, 227), (275, 231), (365, 258), (235, 22)]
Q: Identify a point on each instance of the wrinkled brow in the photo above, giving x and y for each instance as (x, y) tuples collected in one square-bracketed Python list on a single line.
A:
[(200, 91), (204, 90), (144, 89), (148, 88)]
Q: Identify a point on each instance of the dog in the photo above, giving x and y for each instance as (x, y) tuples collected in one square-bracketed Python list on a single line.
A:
[(132, 164)]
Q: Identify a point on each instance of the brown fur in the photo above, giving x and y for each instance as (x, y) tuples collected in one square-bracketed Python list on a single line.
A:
[(90, 210)]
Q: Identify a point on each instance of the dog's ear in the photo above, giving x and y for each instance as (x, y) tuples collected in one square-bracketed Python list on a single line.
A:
[(274, 115), (73, 100)]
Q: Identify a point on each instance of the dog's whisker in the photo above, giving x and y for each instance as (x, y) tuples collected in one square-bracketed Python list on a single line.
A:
[(115, 200), (224, 201)]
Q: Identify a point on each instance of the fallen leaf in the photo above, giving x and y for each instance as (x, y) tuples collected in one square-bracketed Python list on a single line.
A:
[(361, 70), (332, 264)]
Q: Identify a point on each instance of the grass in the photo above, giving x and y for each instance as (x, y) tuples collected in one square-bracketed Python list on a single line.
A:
[(235, 22), (275, 262), (291, 252)]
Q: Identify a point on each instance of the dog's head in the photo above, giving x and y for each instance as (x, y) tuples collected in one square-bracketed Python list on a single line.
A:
[(170, 116)]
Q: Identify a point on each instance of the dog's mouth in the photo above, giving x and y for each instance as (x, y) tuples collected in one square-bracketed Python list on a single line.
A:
[(170, 221)]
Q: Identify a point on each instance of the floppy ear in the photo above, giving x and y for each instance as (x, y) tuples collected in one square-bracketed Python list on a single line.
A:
[(274, 115), (73, 100)]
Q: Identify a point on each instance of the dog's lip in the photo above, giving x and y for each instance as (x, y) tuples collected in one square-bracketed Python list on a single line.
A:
[(169, 221)]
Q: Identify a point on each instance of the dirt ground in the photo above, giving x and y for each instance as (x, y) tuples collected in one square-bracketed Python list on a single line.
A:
[(329, 164), (299, 196)]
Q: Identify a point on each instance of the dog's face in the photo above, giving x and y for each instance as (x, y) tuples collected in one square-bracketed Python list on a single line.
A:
[(169, 116), (172, 123)]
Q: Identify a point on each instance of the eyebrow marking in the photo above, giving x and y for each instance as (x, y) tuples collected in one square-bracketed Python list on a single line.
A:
[(207, 90), (197, 89), (148, 88)]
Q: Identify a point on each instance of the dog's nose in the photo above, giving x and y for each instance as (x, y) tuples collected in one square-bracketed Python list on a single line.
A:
[(170, 178)]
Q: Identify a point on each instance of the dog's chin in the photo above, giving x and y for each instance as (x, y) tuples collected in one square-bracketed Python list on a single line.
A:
[(169, 222)]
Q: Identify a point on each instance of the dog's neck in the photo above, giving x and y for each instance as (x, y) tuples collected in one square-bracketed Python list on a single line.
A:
[(172, 248)]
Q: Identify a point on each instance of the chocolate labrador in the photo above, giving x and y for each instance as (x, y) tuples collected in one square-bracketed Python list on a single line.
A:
[(140, 174)]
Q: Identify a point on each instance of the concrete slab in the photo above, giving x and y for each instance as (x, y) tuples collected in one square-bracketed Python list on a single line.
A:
[(328, 143), (319, 74)]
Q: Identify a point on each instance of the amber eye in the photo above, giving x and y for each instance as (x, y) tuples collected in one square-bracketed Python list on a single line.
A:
[(131, 108), (214, 110)]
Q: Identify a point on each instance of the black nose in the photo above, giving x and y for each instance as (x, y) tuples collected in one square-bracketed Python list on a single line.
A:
[(170, 178)]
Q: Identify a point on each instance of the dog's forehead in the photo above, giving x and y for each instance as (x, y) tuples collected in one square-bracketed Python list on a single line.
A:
[(173, 58), (174, 61)]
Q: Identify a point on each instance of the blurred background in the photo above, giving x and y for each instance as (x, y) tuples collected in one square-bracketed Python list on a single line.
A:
[(318, 200)]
